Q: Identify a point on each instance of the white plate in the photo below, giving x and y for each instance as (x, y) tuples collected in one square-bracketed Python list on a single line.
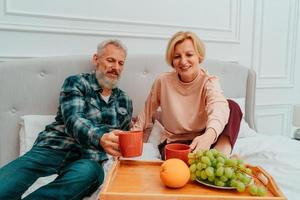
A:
[(214, 186), (221, 187)]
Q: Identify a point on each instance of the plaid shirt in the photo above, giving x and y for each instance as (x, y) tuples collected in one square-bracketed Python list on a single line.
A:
[(83, 117)]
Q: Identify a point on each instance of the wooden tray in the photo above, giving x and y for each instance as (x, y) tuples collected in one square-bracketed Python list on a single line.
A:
[(139, 180)]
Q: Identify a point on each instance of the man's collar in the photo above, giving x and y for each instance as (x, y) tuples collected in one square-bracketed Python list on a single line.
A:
[(94, 83)]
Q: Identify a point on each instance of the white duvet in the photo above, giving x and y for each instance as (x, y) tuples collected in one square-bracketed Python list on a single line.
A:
[(278, 155)]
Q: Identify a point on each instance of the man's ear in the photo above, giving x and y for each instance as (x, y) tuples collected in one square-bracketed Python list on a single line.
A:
[(95, 59)]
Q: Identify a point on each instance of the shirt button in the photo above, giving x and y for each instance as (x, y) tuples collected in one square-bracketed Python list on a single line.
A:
[(13, 110)]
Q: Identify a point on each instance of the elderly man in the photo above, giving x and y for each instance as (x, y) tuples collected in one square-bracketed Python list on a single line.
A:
[(91, 112)]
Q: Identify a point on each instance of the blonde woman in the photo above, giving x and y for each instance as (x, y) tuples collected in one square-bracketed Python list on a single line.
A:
[(194, 110)]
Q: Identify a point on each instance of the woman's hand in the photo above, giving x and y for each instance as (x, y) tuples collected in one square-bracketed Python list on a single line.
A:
[(110, 143), (204, 141)]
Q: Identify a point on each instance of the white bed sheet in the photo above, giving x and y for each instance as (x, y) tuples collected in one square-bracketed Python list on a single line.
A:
[(278, 155)]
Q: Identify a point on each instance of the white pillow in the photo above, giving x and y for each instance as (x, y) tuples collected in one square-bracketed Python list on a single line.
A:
[(156, 133), (241, 103), (245, 130), (31, 126)]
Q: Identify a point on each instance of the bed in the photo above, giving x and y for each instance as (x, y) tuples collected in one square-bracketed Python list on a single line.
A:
[(29, 95)]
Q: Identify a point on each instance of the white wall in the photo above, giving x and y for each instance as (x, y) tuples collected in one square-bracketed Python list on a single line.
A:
[(262, 34)]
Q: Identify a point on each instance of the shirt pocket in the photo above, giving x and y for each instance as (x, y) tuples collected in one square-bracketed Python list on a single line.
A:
[(93, 111), (123, 117)]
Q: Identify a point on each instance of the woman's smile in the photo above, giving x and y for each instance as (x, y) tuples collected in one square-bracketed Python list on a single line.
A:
[(186, 60)]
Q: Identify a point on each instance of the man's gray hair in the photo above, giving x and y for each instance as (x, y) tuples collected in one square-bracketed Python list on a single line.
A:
[(116, 43)]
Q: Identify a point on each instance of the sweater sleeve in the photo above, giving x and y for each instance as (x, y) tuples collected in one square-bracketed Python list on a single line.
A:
[(144, 119), (217, 108)]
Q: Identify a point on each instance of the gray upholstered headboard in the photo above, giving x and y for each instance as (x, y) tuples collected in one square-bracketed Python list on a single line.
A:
[(32, 86)]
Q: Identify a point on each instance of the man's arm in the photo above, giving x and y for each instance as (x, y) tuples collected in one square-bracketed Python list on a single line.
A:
[(73, 104)]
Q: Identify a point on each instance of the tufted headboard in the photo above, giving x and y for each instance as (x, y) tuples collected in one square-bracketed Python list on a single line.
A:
[(31, 86)]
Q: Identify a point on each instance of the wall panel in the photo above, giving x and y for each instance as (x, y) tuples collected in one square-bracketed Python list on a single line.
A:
[(259, 34), (275, 42)]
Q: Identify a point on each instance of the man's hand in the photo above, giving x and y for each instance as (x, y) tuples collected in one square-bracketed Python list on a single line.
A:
[(110, 143), (204, 141)]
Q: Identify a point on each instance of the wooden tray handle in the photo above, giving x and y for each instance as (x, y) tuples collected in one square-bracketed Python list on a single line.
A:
[(265, 179)]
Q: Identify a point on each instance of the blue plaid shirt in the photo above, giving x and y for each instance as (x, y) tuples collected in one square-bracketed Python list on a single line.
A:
[(83, 117)]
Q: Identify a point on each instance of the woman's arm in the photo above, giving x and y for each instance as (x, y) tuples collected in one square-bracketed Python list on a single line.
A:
[(217, 108), (217, 111), (144, 119)]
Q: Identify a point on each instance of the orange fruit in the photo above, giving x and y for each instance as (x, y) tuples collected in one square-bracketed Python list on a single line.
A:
[(174, 173)]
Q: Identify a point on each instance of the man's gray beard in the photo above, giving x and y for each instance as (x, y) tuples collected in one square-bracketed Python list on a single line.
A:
[(106, 82)]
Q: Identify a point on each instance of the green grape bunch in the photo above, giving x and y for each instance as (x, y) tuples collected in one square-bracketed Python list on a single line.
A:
[(214, 168)]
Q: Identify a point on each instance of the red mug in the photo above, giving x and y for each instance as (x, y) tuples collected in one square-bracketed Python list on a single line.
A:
[(177, 150), (131, 143)]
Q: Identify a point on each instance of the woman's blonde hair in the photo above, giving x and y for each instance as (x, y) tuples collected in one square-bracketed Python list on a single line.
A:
[(179, 37)]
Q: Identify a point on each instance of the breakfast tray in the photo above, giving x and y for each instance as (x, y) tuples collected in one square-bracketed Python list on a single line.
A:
[(140, 180)]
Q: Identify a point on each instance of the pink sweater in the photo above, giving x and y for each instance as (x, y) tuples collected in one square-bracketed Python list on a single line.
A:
[(187, 109)]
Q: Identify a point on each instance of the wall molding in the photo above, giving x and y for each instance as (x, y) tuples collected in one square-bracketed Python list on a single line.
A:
[(280, 115), (282, 111), (229, 34), (71, 31), (9, 11), (10, 57), (285, 80), (95, 32)]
